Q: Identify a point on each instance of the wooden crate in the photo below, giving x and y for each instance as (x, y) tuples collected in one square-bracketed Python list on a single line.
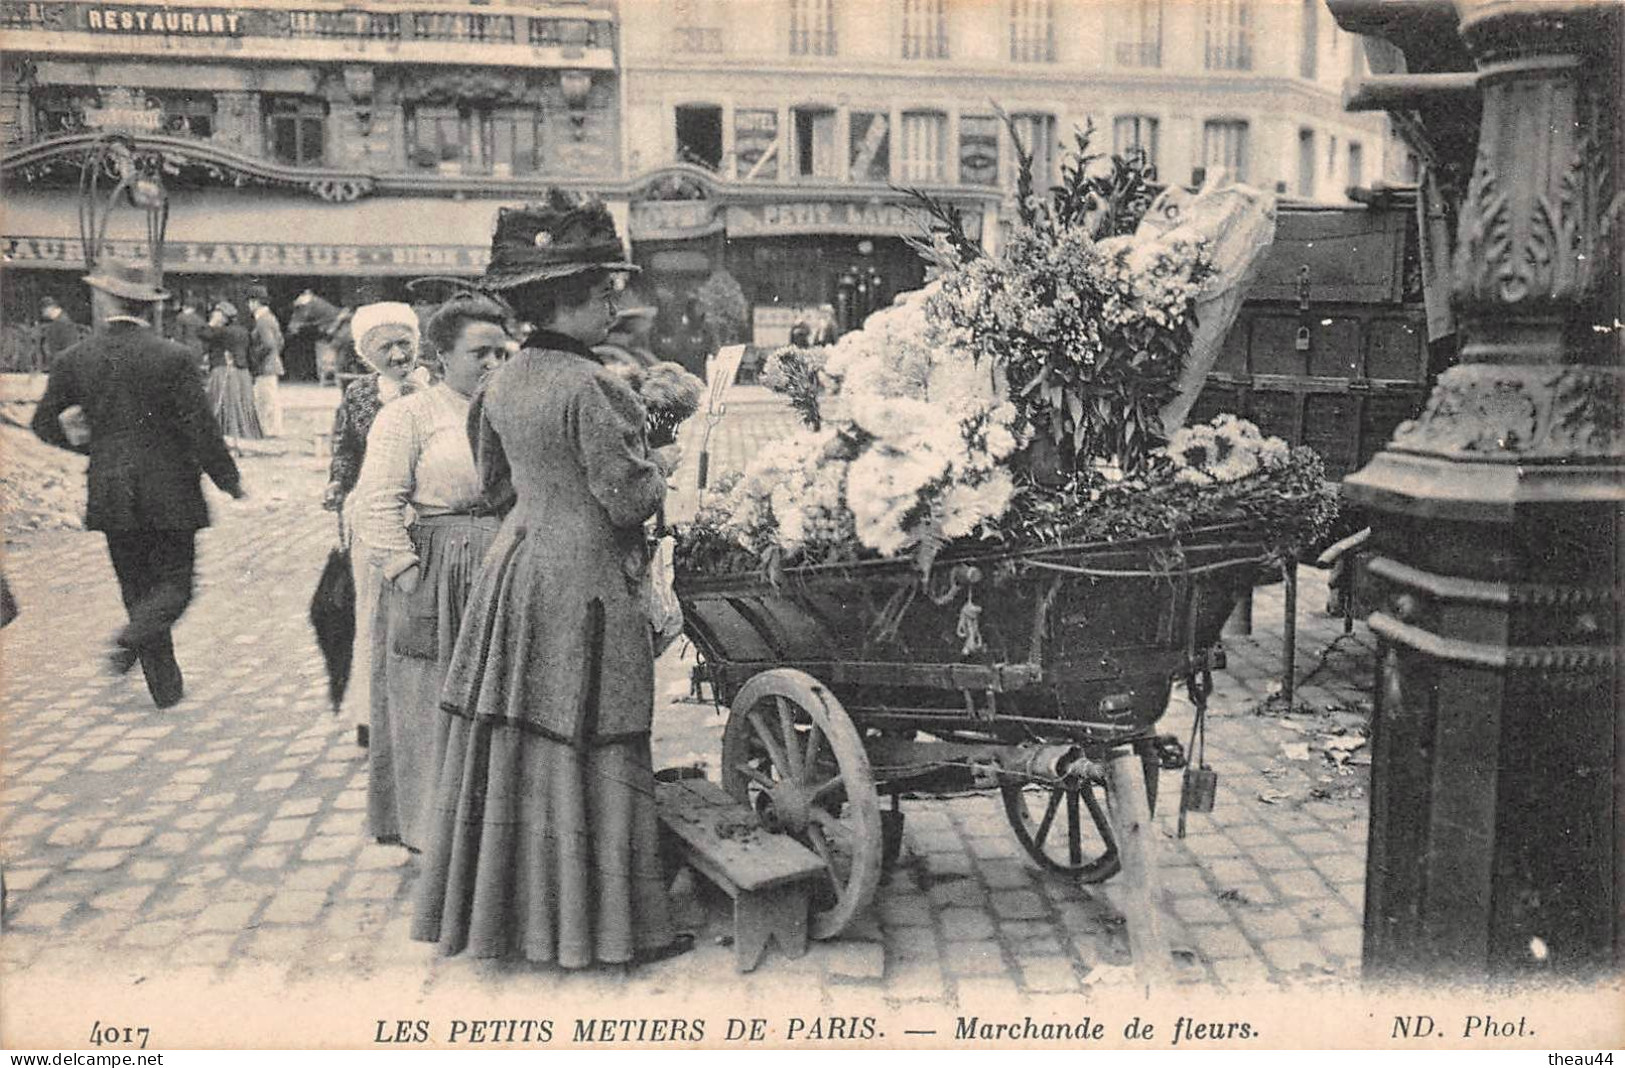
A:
[(1330, 349)]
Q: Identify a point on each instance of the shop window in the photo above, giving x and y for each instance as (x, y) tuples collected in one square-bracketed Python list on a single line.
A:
[(1224, 147), (925, 29), (979, 150), (1229, 35), (812, 27), (1135, 132), (60, 110), (186, 114), (1037, 134), (1141, 42), (815, 143), (871, 146), (1032, 31), (756, 144), (295, 129), (925, 147), (699, 135), (1306, 163), (475, 140), (1356, 163)]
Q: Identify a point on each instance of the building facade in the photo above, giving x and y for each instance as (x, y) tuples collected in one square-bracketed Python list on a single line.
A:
[(770, 137), (347, 149), (343, 150)]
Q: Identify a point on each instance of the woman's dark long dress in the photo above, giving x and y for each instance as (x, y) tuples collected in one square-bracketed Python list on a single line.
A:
[(230, 385), (542, 836)]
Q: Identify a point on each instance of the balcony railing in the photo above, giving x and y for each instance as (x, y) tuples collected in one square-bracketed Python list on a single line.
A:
[(366, 25), (1139, 53)]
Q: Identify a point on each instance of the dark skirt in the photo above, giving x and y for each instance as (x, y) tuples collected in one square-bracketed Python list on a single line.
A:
[(542, 850), (413, 636), (231, 396)]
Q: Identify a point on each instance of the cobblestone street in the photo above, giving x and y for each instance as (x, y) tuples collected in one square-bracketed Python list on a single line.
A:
[(227, 835)]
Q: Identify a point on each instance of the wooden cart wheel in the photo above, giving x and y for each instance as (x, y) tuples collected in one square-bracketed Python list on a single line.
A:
[(791, 753), (1065, 828)]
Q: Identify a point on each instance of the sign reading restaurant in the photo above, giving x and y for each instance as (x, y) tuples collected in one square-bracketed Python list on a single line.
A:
[(119, 18)]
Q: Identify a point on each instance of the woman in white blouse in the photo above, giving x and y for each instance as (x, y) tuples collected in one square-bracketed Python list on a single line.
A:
[(420, 515)]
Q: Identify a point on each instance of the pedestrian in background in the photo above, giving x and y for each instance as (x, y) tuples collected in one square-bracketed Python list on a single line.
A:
[(231, 384), (133, 402), (418, 511), (543, 838), (186, 328), (265, 360), (386, 340), (58, 331)]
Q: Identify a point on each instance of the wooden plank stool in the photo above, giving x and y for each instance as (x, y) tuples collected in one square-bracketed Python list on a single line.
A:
[(767, 875)]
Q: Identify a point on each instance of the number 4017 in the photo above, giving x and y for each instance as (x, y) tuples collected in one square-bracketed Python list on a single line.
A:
[(111, 1035)]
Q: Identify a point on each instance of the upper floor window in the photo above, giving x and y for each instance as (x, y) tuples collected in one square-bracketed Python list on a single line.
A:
[(756, 143), (1306, 162), (1135, 133), (816, 155), (1224, 147), (925, 29), (1037, 135), (1309, 46), (695, 27), (812, 27), (472, 138), (295, 129), (1032, 31), (1229, 35), (925, 147), (1140, 42), (1356, 163), (699, 135), (978, 150), (871, 146)]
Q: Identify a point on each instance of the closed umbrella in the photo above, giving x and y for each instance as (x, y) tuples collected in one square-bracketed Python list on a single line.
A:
[(332, 616)]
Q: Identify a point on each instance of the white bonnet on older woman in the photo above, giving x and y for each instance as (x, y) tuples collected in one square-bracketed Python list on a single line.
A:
[(385, 313)]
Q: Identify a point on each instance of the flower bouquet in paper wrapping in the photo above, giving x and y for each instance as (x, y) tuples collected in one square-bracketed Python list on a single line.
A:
[(1020, 399), (670, 395)]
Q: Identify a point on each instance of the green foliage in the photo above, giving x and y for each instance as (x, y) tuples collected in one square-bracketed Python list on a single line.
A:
[(1291, 505), (726, 310)]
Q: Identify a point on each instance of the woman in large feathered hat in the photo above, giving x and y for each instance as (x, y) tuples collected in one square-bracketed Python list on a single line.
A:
[(542, 839)]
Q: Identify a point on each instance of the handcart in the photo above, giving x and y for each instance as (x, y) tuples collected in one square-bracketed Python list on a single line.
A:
[(1041, 672)]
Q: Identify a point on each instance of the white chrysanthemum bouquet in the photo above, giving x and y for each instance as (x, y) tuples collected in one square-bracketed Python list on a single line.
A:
[(908, 442), (1015, 398)]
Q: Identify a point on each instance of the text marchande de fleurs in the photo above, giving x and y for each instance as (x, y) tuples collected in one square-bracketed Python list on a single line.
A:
[(731, 1029)]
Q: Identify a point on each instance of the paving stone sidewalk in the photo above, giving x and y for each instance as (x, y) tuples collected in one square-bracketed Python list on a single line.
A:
[(229, 832)]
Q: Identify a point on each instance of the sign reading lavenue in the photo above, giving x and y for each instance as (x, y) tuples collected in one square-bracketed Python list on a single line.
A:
[(233, 257), (151, 18)]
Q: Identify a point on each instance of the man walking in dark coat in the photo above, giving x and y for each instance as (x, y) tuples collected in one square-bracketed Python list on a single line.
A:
[(134, 403)]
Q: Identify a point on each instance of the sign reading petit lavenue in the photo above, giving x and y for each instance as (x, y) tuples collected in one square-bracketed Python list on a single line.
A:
[(198, 21)]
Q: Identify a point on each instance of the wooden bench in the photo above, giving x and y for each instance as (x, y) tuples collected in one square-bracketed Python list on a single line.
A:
[(767, 875)]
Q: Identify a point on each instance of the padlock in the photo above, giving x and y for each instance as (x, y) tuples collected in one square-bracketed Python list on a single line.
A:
[(1198, 790), (1301, 342)]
